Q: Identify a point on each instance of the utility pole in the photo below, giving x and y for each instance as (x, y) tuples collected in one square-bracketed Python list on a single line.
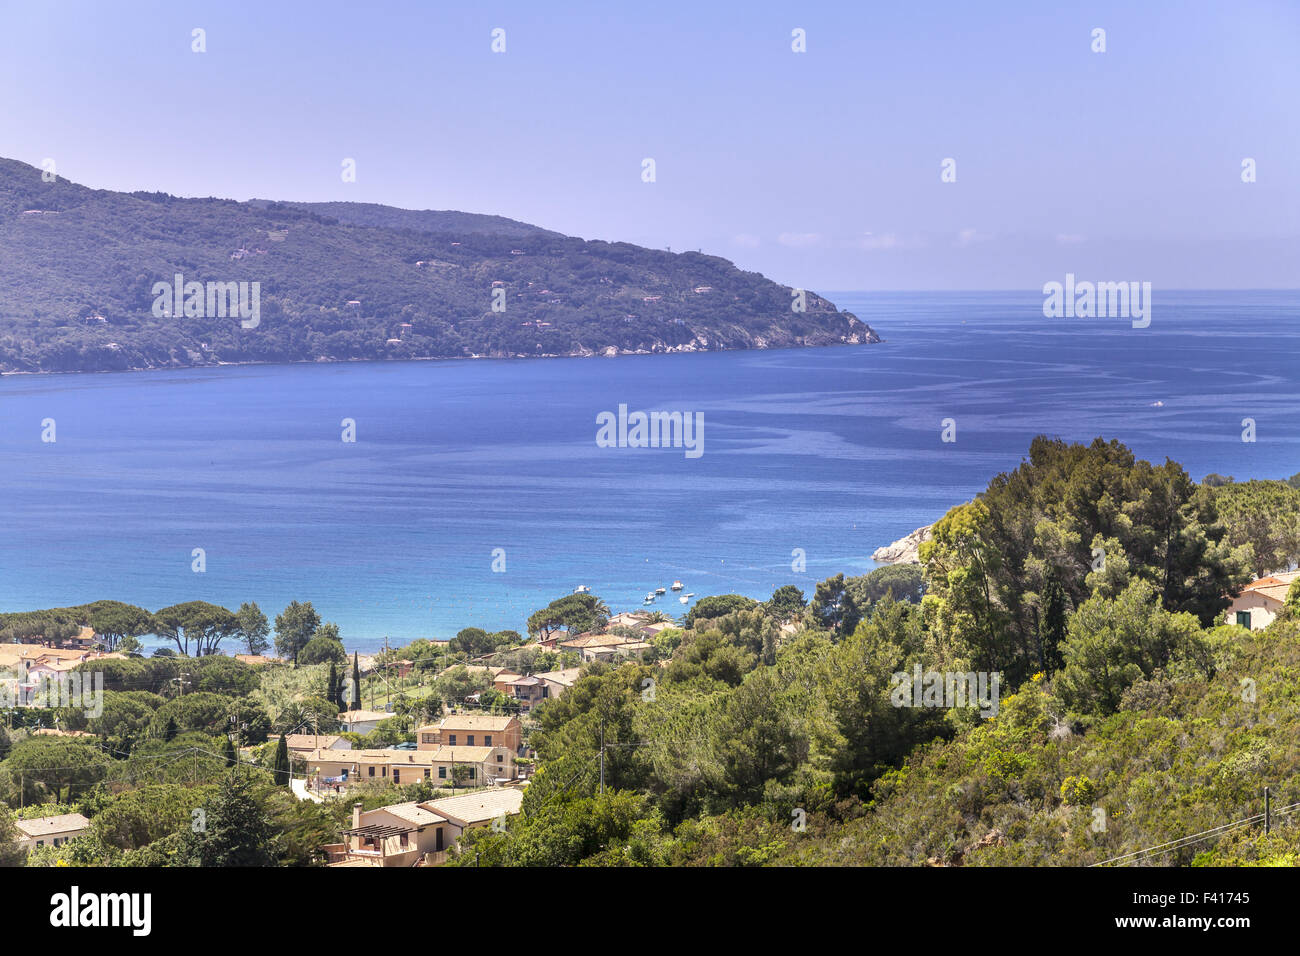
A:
[(1268, 811)]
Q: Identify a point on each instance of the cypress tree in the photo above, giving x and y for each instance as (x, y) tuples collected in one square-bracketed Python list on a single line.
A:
[(355, 702), (1052, 624), (332, 689), (169, 733), (281, 765), (231, 757)]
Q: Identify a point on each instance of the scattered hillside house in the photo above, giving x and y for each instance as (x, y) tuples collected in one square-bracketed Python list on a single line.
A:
[(309, 743), (628, 619), (557, 682), (606, 647), (472, 730), (529, 691), (28, 666), (50, 831), (362, 721), (411, 834), (1260, 601), (503, 678), (460, 766)]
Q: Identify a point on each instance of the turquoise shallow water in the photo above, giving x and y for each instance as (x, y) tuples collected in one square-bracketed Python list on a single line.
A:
[(834, 451)]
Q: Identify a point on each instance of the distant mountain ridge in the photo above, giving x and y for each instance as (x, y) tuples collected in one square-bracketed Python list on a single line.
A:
[(80, 270)]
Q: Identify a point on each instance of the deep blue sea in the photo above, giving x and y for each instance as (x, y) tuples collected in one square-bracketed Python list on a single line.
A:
[(834, 451)]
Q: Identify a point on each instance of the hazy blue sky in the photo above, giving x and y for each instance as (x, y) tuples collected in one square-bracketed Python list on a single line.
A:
[(820, 169)]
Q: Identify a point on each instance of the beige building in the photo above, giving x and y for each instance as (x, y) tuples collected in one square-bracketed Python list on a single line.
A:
[(443, 766), (414, 834), (471, 730), (1260, 601), (50, 831), (308, 743)]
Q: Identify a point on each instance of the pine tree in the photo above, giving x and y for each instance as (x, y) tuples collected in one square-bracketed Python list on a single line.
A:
[(235, 831), (281, 766), (170, 731)]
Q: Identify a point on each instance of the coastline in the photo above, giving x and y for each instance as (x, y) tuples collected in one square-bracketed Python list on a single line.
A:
[(603, 354)]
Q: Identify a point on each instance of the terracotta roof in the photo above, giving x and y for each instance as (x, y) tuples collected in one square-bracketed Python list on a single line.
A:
[(460, 754), (311, 741), (597, 640), (478, 807), (565, 677), (1276, 592), (475, 722), (355, 716), (410, 812)]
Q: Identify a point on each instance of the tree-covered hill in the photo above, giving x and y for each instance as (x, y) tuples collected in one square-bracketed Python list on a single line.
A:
[(349, 281)]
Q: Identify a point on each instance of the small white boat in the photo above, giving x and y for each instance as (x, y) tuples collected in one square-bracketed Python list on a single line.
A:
[(683, 599), (677, 585), (649, 598), (690, 594), (1157, 404), (661, 590)]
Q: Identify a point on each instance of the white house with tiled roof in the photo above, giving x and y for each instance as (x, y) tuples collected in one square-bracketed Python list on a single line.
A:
[(50, 831), (1260, 601)]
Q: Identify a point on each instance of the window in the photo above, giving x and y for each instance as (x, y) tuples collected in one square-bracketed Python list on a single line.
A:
[(501, 758), (487, 740), (471, 773), (442, 773), (371, 770), (451, 740), (397, 775), (469, 740), (1243, 618), (428, 738)]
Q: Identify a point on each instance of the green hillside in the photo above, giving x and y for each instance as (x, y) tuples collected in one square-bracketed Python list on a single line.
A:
[(348, 281)]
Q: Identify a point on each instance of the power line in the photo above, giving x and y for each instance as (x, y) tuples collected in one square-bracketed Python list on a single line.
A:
[(1193, 838)]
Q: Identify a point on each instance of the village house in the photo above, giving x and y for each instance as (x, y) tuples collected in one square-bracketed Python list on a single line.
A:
[(362, 721), (605, 647), (50, 831), (1260, 601), (415, 834), (460, 766), (528, 691), (557, 682), (29, 665), (309, 743), (472, 730)]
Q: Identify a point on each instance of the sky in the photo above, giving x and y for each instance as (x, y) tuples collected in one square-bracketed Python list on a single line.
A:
[(821, 169)]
